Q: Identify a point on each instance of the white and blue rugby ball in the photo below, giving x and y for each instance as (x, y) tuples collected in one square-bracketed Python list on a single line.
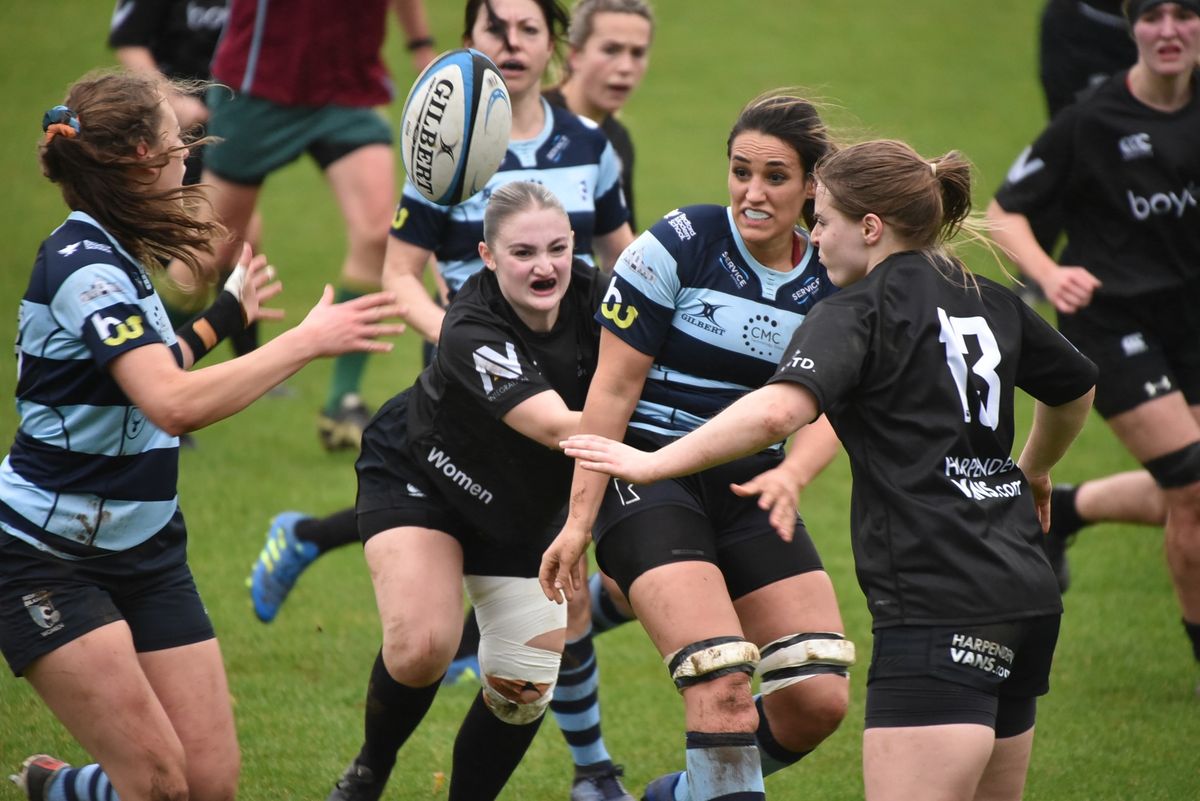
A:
[(457, 121)]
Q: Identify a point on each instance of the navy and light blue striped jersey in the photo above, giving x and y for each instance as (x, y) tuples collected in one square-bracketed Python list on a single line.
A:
[(87, 473), (716, 321), (570, 156)]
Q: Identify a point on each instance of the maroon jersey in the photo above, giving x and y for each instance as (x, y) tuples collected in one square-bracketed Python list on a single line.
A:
[(306, 52)]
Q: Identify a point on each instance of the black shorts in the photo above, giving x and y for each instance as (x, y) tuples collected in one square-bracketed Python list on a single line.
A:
[(698, 518), (986, 674), (393, 492), (46, 602), (1145, 346)]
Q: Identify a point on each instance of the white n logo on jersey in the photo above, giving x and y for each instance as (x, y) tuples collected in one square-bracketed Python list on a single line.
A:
[(490, 362), (1022, 168)]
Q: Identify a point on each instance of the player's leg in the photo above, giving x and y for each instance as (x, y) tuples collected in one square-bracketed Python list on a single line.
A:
[(933, 763), (417, 575), (189, 681), (119, 721), (686, 610), (521, 641), (359, 165), (1164, 434), (1004, 777), (576, 708)]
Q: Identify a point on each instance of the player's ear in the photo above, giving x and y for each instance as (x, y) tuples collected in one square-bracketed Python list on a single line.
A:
[(872, 228), (485, 253)]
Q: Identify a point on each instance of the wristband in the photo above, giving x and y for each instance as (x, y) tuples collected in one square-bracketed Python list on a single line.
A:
[(205, 330), (419, 42)]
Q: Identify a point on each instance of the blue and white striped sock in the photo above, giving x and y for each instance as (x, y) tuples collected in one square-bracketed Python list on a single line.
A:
[(605, 614), (89, 783), (576, 704)]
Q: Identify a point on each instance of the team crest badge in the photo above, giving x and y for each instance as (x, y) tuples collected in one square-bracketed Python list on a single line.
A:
[(42, 610)]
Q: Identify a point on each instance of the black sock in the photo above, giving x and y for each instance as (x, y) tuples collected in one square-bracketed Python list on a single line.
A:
[(605, 613), (774, 756), (1064, 517), (1193, 632), (486, 752), (394, 711), (327, 533), (469, 644)]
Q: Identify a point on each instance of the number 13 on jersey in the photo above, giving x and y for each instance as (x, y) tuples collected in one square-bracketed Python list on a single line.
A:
[(955, 331)]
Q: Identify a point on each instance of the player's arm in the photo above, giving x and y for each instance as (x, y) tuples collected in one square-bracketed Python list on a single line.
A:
[(778, 489), (1069, 288), (178, 401), (1054, 429), (403, 276), (419, 42), (761, 418), (543, 418), (620, 374)]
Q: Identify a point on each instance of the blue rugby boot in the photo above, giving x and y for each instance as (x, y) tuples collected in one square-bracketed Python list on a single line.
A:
[(282, 560), (662, 788)]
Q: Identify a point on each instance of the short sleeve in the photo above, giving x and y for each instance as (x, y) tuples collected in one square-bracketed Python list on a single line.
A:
[(1051, 369), (135, 22), (828, 352), (100, 304), (1038, 178), (488, 362), (611, 211), (639, 304), (418, 221)]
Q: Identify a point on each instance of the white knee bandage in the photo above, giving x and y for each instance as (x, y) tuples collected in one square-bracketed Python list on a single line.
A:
[(512, 612), (793, 659), (710, 659)]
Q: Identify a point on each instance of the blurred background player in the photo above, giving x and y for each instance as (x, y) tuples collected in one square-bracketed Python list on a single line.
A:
[(608, 51), (279, 102), (1123, 166)]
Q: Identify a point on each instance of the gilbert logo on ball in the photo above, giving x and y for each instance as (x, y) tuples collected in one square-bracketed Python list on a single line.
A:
[(457, 120)]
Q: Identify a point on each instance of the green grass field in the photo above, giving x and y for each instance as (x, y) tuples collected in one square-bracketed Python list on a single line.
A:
[(1122, 721)]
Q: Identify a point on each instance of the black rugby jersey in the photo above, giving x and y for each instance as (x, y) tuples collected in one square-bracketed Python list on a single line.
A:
[(507, 485), (1127, 178), (918, 374), (181, 34)]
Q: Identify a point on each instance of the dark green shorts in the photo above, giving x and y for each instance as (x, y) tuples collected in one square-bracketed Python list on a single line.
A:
[(258, 136)]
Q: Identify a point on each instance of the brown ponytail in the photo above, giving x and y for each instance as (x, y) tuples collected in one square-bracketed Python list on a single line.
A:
[(98, 170)]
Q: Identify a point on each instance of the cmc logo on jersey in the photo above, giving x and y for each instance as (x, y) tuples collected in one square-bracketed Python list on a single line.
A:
[(763, 336), (1163, 203)]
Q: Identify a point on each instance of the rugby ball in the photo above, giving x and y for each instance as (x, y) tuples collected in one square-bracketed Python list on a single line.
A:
[(457, 120)]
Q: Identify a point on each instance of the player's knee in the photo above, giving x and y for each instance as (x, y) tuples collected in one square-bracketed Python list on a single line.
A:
[(807, 673), (162, 778), (714, 677), (417, 659), (803, 715), (215, 776), (1178, 473)]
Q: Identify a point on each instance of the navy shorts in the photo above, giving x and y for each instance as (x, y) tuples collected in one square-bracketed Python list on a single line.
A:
[(394, 493), (1145, 346), (988, 674), (698, 518), (46, 602)]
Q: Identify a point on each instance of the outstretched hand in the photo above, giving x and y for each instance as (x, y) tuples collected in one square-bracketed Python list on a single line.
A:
[(603, 455), (354, 325), (253, 282), (777, 490)]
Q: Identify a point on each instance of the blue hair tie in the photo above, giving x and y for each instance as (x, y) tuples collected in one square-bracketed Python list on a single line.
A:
[(60, 115)]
